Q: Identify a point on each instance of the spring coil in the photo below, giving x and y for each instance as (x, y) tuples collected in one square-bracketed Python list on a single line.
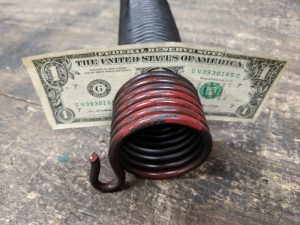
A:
[(158, 129), (146, 21)]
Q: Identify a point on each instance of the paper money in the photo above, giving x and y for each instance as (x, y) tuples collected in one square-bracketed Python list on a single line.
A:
[(77, 88)]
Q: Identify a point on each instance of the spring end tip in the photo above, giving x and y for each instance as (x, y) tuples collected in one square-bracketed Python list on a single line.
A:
[(94, 157)]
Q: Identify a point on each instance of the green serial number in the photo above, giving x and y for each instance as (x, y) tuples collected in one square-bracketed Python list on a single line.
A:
[(216, 73), (93, 103)]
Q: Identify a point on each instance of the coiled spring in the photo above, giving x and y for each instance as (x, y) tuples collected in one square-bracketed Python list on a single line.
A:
[(159, 130)]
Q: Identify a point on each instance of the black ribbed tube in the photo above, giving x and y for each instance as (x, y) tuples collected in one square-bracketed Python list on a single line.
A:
[(143, 21)]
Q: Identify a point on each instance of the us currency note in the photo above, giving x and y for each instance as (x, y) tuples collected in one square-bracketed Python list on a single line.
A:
[(77, 88)]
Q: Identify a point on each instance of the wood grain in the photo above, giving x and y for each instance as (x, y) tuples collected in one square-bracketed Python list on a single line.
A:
[(252, 176)]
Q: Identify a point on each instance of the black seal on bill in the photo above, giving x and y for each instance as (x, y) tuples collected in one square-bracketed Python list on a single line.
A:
[(99, 88)]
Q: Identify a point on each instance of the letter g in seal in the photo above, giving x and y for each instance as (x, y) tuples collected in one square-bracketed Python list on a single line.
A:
[(99, 88)]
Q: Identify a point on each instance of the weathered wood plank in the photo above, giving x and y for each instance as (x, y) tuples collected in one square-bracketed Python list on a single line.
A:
[(252, 176)]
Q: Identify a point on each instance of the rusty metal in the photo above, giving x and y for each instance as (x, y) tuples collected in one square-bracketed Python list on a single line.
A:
[(159, 130)]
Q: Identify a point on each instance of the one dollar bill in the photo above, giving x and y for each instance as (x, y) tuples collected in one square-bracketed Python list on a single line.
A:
[(77, 88)]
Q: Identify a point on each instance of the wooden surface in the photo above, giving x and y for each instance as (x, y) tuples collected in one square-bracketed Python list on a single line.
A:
[(252, 176)]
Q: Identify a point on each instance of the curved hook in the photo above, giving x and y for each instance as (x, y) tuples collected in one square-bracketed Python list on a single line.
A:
[(111, 186)]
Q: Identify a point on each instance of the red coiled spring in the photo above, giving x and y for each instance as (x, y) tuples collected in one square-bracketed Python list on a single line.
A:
[(158, 130)]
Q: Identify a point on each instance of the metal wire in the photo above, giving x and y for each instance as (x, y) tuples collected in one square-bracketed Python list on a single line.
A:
[(159, 130), (146, 21)]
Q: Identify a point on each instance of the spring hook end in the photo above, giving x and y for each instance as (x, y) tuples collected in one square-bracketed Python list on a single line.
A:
[(94, 157), (114, 185)]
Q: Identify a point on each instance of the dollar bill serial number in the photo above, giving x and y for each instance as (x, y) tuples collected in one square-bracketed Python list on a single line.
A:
[(216, 73), (93, 103)]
